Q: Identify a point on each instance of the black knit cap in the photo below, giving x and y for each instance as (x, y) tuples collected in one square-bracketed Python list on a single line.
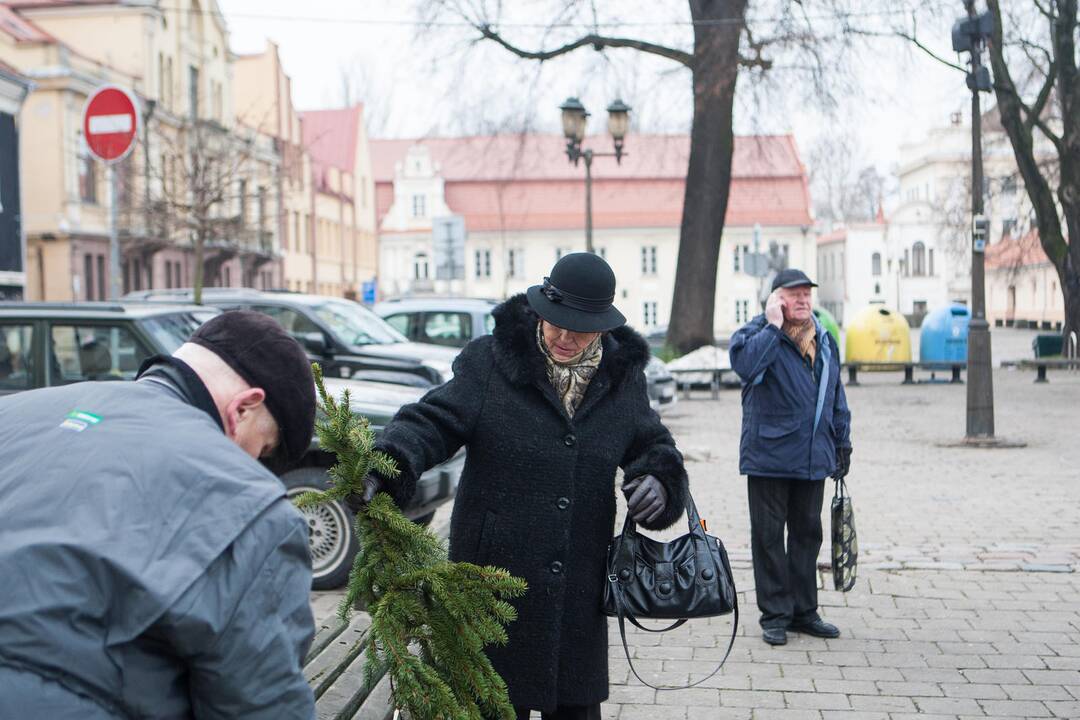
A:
[(266, 356)]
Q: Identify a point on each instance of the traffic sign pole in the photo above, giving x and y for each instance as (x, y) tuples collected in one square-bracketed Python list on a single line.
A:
[(114, 235)]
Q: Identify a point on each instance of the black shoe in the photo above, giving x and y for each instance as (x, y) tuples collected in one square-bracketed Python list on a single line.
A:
[(817, 628), (774, 636)]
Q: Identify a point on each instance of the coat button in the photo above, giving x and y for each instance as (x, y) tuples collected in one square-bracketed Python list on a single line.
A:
[(556, 567), (570, 440), (665, 588), (624, 574), (707, 574), (562, 503)]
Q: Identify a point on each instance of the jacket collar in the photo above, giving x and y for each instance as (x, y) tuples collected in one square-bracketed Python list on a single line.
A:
[(520, 360), (177, 376)]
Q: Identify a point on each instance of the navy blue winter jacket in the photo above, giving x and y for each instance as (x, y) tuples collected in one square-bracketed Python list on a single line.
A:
[(794, 417)]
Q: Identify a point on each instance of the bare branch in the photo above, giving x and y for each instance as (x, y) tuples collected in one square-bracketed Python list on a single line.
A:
[(598, 42), (1035, 111)]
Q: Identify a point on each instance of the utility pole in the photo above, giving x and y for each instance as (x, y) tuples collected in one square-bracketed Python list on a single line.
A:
[(970, 35)]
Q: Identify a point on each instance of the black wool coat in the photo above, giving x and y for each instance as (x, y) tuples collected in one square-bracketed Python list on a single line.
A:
[(537, 495)]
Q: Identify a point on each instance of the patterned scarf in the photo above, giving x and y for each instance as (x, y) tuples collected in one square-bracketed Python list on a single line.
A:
[(571, 379), (805, 338)]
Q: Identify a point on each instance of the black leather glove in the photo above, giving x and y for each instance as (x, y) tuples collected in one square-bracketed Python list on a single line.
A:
[(373, 485), (645, 498), (843, 463)]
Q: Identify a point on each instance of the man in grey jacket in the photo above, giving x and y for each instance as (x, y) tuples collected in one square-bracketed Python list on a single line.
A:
[(151, 566)]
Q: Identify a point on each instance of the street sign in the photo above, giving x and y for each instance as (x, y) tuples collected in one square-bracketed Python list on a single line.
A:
[(448, 236), (110, 123), (368, 292), (980, 230)]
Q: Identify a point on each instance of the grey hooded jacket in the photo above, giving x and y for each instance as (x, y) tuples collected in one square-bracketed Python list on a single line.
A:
[(149, 567)]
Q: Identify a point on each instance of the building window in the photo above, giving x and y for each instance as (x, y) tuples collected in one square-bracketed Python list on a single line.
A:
[(178, 281), (483, 263), (193, 91), (648, 260), (168, 274), (905, 264), (87, 175), (241, 200), (88, 276), (742, 311), (875, 264), (100, 277), (735, 265), (930, 262), (420, 267), (419, 206), (649, 313), (918, 259), (877, 288), (515, 263)]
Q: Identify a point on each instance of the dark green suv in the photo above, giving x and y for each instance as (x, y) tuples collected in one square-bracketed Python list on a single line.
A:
[(48, 344)]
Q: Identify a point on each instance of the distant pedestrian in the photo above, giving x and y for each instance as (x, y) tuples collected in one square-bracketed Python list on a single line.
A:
[(795, 432), (549, 406), (151, 566)]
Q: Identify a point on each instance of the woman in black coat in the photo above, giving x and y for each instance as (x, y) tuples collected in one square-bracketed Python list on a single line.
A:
[(549, 407)]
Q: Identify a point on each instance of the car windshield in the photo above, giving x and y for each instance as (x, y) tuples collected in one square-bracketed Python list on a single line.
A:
[(172, 331), (356, 325)]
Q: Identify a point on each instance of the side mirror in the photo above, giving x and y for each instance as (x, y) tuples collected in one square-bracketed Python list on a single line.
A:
[(314, 342)]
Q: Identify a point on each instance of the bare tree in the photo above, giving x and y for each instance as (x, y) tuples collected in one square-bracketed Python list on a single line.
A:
[(841, 193), (1042, 36), (717, 44), (207, 188)]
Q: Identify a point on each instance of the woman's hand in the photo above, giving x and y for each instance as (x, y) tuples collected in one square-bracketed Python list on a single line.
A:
[(373, 485), (645, 498)]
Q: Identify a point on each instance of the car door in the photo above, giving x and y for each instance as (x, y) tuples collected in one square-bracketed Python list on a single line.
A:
[(80, 350)]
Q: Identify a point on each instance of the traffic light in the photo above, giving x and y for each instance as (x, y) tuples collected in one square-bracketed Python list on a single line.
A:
[(966, 31)]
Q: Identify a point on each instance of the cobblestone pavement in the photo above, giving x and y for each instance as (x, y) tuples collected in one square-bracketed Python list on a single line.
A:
[(968, 597)]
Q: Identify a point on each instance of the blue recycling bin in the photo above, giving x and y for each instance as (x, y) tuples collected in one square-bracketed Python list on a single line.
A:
[(944, 336)]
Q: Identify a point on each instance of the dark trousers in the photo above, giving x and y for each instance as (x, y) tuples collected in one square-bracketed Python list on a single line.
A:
[(565, 712), (785, 578)]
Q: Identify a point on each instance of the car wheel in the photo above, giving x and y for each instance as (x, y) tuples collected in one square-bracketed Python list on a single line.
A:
[(331, 539)]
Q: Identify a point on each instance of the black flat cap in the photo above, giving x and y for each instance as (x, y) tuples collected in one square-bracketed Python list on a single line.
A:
[(791, 278), (267, 357)]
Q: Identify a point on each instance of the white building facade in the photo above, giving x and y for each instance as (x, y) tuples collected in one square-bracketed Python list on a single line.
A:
[(522, 207)]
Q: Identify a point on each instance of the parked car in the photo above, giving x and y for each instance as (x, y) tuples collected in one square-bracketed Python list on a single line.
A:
[(454, 322), (346, 338), (439, 321), (102, 341)]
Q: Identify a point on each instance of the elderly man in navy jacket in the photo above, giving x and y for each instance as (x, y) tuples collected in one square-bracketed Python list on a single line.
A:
[(795, 432)]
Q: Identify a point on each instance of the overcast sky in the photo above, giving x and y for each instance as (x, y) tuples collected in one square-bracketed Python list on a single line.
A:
[(435, 84)]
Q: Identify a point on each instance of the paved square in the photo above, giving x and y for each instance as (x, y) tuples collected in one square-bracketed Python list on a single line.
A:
[(968, 597)]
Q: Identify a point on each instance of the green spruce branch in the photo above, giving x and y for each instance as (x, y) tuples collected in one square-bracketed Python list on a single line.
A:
[(430, 618)]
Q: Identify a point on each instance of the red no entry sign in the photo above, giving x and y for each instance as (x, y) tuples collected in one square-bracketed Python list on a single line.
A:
[(110, 123)]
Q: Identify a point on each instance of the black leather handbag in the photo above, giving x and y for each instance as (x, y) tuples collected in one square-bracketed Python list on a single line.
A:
[(689, 577)]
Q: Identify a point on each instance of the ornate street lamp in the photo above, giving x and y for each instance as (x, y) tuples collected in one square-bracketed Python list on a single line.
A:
[(574, 119)]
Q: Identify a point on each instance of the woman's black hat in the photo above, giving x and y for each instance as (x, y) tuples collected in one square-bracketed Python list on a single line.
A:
[(578, 295)]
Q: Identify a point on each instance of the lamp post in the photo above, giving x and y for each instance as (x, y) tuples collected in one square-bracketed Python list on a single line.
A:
[(969, 34), (574, 119)]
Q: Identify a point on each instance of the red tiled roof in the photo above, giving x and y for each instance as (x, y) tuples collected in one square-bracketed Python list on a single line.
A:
[(831, 237), (20, 28), (330, 136), (1010, 252), (515, 182)]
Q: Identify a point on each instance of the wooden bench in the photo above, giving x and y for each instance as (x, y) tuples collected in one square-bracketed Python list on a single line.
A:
[(1042, 364), (334, 667), (716, 376), (908, 368)]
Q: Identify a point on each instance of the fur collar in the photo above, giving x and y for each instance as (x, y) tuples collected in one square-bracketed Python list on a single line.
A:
[(518, 357)]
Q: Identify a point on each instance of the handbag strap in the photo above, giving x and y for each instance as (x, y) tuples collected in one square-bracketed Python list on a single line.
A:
[(625, 614)]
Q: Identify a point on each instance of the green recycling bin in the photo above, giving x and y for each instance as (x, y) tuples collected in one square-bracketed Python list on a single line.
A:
[(1046, 345)]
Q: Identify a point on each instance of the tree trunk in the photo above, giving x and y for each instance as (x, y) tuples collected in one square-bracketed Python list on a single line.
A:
[(708, 178), (197, 285)]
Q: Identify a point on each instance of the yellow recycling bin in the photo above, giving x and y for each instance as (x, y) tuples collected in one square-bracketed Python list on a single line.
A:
[(878, 335)]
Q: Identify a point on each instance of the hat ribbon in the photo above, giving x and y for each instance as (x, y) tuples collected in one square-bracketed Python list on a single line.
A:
[(576, 302)]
